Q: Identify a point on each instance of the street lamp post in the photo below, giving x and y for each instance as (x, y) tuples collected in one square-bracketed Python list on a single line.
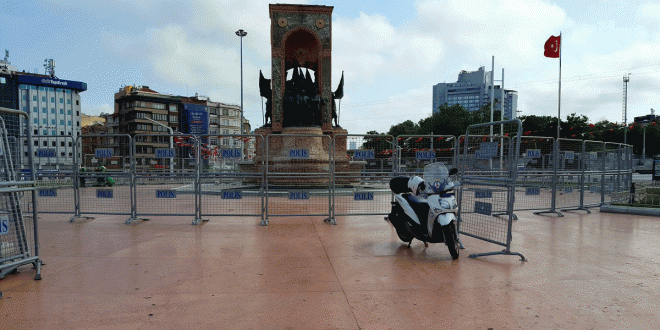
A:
[(241, 34), (171, 142)]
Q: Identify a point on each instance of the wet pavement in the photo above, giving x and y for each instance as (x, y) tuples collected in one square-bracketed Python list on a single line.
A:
[(584, 271)]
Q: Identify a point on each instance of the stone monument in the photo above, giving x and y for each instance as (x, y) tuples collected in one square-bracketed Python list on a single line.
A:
[(302, 108)]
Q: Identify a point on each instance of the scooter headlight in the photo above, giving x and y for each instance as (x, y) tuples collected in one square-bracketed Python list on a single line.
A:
[(445, 204)]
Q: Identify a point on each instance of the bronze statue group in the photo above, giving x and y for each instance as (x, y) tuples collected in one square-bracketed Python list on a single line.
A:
[(302, 102)]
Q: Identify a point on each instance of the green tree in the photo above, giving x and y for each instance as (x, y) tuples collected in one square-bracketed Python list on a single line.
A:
[(379, 143), (539, 125), (575, 126), (405, 128)]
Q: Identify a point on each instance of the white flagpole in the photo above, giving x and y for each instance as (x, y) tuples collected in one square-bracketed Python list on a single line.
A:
[(559, 102)]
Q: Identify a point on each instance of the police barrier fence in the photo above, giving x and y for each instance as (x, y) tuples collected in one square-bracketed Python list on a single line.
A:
[(19, 238), (299, 174), (489, 159), (166, 181), (54, 165), (361, 178), (105, 178), (232, 176), (309, 173)]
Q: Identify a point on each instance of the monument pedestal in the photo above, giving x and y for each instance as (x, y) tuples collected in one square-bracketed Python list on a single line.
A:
[(301, 151)]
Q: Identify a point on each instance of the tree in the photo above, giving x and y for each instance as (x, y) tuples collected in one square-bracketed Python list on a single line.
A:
[(539, 125), (379, 143), (575, 126), (405, 128)]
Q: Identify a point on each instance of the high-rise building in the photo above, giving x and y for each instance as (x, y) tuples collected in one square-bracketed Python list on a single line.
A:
[(472, 91), (53, 106)]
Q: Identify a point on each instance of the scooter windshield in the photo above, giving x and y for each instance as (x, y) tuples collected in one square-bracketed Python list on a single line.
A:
[(436, 175)]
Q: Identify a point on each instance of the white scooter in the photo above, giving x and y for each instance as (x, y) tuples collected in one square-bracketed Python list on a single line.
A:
[(426, 209)]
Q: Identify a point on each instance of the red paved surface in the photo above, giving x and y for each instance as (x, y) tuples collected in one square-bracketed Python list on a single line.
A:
[(584, 271)]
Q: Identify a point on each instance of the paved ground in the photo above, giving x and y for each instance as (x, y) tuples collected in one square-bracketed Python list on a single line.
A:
[(584, 271)]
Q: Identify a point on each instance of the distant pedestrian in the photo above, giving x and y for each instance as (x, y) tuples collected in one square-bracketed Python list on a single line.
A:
[(81, 176), (632, 193)]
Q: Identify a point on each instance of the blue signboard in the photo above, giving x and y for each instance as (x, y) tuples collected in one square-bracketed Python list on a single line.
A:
[(165, 193), (363, 196), (194, 119), (298, 195), (234, 194), (231, 153), (486, 150), (364, 154), (483, 208), (425, 155), (51, 82), (104, 193), (4, 224), (533, 191), (46, 153), (299, 153), (47, 193), (533, 153), (103, 153), (483, 194), (165, 153)]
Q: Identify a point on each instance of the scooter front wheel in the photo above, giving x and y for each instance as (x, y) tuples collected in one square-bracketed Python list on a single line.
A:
[(451, 239)]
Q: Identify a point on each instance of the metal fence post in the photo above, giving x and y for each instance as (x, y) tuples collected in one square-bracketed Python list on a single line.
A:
[(331, 194), (133, 183), (197, 186), (264, 222), (264, 175), (583, 165), (602, 174)]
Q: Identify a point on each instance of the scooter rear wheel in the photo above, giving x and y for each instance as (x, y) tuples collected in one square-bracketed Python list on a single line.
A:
[(450, 239)]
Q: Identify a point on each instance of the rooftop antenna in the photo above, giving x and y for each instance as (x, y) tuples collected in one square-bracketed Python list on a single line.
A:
[(6, 56), (49, 64)]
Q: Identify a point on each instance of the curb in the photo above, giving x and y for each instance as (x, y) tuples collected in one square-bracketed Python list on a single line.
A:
[(630, 210)]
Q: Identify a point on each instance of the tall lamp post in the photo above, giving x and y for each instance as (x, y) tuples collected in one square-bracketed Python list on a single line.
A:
[(171, 142), (241, 34)]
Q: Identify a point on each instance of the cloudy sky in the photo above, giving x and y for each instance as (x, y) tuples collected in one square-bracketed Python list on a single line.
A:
[(392, 52)]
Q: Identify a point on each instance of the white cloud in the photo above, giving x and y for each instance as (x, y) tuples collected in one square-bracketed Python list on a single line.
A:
[(389, 67)]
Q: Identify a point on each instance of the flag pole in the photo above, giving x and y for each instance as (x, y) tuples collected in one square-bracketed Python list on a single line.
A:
[(559, 101)]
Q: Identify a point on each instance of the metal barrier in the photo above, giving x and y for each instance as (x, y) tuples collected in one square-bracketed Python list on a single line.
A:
[(570, 180), (17, 246), (488, 177), (165, 180), (416, 151), (299, 174), (296, 174), (361, 180), (594, 170), (105, 179), (536, 175), (54, 164), (231, 181)]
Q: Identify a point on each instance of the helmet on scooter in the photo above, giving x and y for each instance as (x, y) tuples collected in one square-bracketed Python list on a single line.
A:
[(416, 185)]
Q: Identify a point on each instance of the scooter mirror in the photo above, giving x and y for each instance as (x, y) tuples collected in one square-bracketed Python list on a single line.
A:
[(453, 171)]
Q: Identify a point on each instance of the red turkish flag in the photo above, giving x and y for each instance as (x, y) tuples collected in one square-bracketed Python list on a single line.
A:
[(552, 47)]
